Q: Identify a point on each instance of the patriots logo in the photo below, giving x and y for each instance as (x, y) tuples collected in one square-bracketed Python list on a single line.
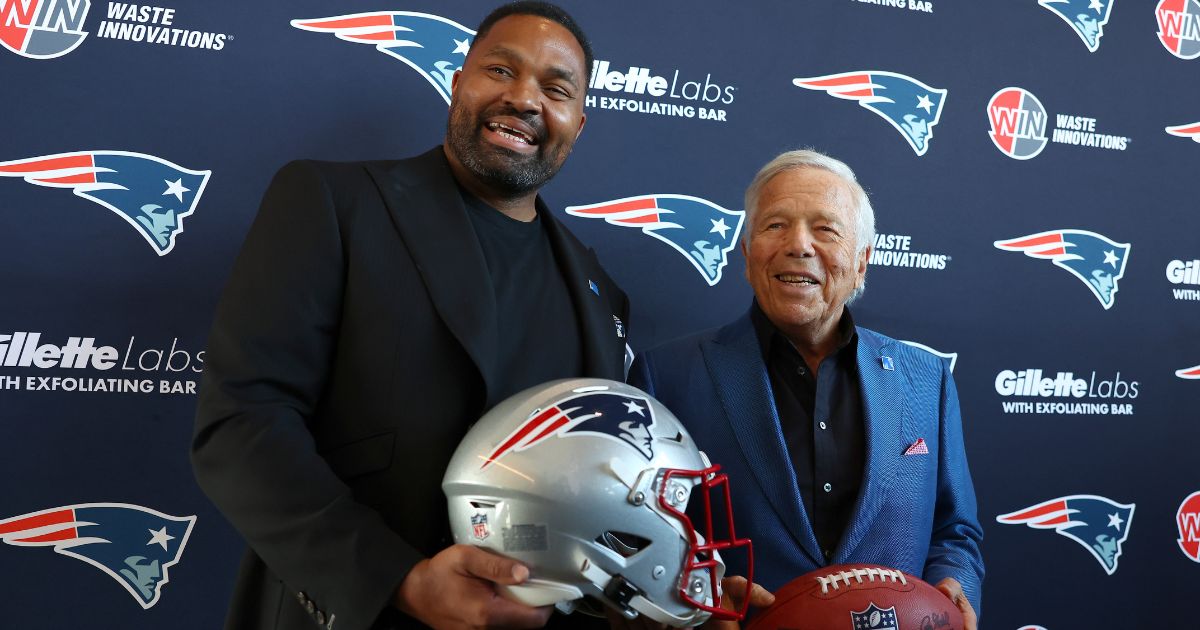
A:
[(134, 545), (1097, 523), (1087, 17), (949, 357), (909, 105), (626, 419), (1190, 130), (1189, 373), (698, 229), (430, 44), (874, 618), (42, 29), (1097, 261), (149, 193)]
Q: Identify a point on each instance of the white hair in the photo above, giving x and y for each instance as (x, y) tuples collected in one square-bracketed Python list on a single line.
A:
[(864, 214)]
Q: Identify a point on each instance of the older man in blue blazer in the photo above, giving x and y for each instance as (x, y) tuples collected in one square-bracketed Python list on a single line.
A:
[(845, 445)]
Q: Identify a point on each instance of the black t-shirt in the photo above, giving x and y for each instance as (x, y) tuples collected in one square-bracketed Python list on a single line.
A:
[(539, 337), (536, 323)]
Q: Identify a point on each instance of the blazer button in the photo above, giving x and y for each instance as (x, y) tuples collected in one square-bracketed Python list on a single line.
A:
[(309, 607), (320, 618), (828, 488), (302, 598)]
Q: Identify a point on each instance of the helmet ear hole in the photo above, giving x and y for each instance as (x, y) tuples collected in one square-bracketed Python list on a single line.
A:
[(625, 544)]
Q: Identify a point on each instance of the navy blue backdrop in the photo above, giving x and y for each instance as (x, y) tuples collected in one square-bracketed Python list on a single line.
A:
[(1031, 164)]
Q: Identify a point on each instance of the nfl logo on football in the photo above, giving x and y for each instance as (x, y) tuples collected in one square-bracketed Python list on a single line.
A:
[(479, 526), (875, 618)]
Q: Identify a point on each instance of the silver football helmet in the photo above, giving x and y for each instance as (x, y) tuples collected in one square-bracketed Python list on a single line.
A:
[(586, 481)]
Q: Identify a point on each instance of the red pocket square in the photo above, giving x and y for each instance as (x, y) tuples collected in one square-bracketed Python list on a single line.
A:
[(917, 448)]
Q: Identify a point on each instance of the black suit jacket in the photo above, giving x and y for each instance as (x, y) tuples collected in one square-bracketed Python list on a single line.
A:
[(353, 347)]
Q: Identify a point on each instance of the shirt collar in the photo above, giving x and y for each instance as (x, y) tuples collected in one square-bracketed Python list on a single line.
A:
[(768, 334)]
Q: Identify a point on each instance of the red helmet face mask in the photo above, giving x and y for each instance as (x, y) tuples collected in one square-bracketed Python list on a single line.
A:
[(703, 556)]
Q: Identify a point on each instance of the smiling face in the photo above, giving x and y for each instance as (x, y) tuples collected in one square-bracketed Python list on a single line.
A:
[(800, 258), (517, 107)]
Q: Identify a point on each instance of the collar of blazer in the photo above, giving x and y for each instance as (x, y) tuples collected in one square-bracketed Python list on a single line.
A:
[(735, 365), (428, 212)]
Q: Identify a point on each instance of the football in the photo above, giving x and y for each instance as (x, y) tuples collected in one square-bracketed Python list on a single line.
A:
[(858, 597)]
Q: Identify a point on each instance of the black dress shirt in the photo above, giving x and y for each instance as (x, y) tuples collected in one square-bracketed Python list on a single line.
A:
[(822, 421)]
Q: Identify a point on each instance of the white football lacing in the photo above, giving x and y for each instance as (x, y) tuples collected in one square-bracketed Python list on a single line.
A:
[(857, 574)]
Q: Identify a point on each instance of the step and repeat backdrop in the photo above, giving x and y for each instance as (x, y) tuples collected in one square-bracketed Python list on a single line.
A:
[(1033, 164)]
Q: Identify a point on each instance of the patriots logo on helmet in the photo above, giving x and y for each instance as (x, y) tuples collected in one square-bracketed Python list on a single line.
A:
[(148, 192), (1093, 258), (1087, 17), (1189, 373), (626, 419), (700, 230), (42, 29), (1179, 27), (1190, 130), (1097, 523), (909, 105), (430, 44), (134, 545)]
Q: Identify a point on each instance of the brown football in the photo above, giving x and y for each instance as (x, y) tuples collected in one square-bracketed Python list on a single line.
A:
[(858, 597)]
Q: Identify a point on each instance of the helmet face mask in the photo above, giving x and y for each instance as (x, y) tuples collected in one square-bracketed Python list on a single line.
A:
[(587, 482), (703, 557)]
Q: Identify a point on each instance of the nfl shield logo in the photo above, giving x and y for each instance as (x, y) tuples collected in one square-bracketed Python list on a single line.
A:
[(479, 526), (874, 618)]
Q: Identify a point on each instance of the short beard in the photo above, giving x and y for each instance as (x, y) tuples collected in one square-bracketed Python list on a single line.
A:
[(506, 171)]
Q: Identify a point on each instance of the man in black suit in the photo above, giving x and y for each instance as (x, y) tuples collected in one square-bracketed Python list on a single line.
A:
[(378, 309)]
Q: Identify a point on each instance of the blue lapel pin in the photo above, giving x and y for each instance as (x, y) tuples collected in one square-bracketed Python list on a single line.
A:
[(595, 289), (887, 363)]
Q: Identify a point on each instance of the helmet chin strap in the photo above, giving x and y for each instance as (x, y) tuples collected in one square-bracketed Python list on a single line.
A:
[(628, 596)]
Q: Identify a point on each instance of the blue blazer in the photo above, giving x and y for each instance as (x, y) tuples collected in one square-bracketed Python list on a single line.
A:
[(915, 512)]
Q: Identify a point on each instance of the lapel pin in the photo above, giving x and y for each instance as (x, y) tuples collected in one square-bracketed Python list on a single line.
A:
[(595, 289), (887, 363)]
